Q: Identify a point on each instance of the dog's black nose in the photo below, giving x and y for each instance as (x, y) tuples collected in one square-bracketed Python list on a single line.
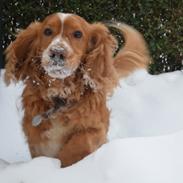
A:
[(57, 55)]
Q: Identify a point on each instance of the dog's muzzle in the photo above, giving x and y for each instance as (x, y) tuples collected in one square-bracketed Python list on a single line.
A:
[(57, 56)]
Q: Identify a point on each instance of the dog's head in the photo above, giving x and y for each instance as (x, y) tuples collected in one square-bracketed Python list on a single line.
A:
[(58, 46)]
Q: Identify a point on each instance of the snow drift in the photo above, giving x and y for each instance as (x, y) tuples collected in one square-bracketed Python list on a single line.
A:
[(134, 160), (142, 106)]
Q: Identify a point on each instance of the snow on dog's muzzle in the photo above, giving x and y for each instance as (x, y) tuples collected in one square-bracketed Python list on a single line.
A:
[(57, 59), (57, 56), (57, 66)]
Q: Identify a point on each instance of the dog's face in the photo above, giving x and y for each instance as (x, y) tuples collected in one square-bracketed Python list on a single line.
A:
[(59, 45), (63, 42)]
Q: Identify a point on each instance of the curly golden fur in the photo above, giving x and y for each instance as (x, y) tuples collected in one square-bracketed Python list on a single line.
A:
[(82, 127)]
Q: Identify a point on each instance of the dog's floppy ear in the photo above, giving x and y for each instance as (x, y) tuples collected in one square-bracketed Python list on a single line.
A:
[(100, 36), (101, 47), (18, 51)]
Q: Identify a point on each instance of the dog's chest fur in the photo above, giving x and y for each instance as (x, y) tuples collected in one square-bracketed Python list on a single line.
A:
[(51, 141)]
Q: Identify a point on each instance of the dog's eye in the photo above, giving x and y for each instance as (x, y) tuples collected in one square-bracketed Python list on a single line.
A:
[(48, 32), (77, 34)]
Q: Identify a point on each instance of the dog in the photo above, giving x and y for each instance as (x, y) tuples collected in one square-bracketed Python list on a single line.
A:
[(69, 69)]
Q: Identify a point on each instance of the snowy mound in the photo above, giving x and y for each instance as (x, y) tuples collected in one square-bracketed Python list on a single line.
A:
[(134, 160), (143, 105), (147, 105)]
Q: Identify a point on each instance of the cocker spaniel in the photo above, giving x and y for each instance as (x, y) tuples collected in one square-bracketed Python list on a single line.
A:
[(68, 68)]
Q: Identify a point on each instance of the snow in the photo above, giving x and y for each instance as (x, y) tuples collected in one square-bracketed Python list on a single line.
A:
[(145, 137), (12, 142), (133, 160), (147, 105)]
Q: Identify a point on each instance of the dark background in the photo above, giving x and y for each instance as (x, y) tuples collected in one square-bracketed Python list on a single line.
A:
[(160, 21)]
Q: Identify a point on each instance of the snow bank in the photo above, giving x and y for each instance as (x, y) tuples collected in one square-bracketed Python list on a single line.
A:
[(133, 160), (147, 105), (12, 142), (143, 105)]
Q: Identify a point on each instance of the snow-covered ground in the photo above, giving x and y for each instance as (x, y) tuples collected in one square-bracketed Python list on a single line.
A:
[(145, 137)]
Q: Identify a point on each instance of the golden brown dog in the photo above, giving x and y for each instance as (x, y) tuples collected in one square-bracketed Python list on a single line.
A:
[(68, 68)]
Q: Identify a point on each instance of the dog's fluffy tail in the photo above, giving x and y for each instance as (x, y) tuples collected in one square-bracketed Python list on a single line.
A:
[(134, 54)]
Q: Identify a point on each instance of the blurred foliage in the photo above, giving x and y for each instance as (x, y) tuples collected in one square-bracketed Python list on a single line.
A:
[(160, 21)]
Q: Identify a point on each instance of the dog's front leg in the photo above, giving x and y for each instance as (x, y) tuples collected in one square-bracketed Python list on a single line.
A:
[(80, 145)]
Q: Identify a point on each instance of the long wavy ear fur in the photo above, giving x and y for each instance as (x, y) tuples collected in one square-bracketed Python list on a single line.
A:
[(18, 51), (100, 56)]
